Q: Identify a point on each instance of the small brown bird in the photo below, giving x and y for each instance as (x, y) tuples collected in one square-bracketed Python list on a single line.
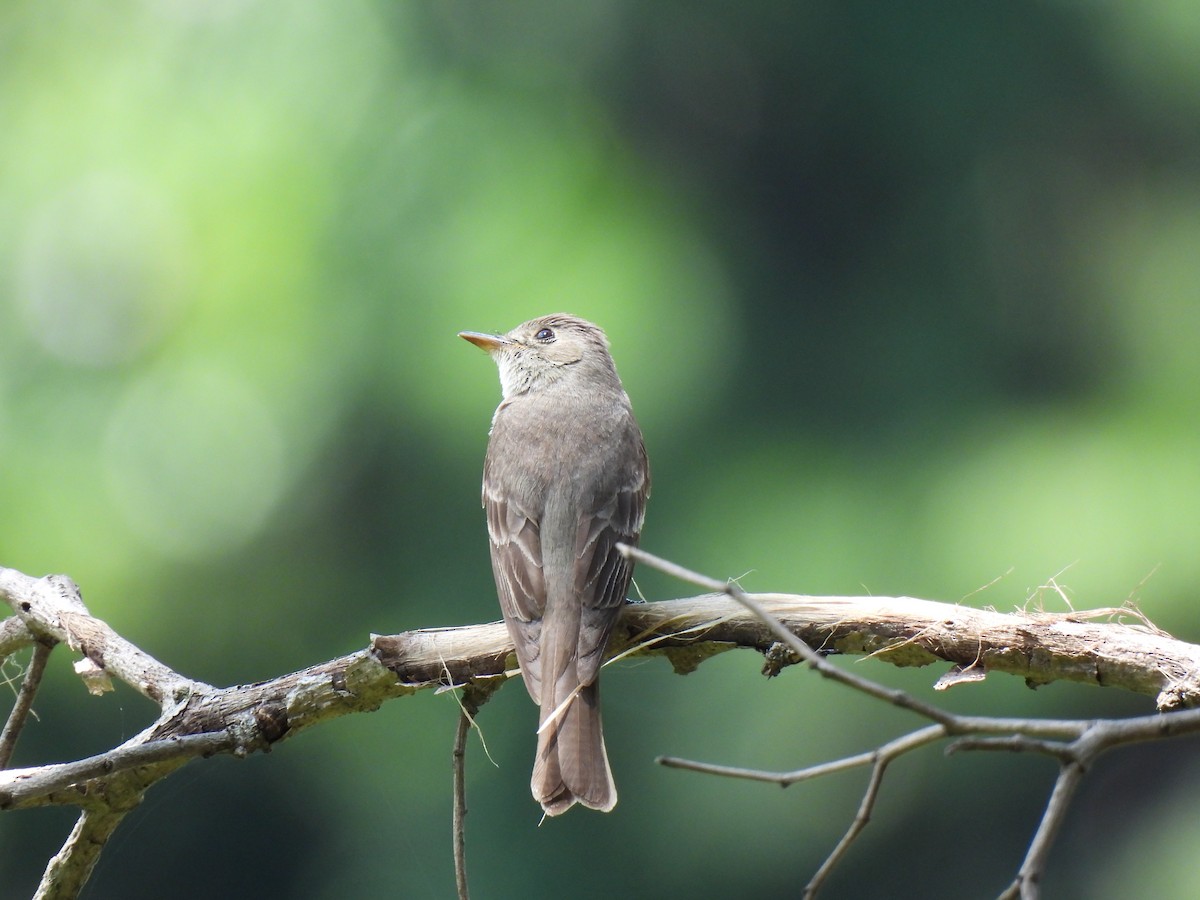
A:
[(565, 479)]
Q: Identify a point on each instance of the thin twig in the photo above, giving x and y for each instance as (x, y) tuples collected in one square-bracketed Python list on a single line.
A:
[(880, 761), (783, 779), (904, 744), (474, 696), (24, 702), (460, 804), (1016, 743), (36, 786), (1027, 884)]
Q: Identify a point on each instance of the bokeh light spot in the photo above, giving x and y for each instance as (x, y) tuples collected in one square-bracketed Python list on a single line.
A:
[(102, 271), (194, 459)]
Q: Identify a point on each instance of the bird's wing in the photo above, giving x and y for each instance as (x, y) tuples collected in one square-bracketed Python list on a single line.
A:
[(517, 567), (602, 574)]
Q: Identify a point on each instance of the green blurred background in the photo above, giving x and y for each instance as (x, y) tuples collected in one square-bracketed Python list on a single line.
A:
[(906, 300)]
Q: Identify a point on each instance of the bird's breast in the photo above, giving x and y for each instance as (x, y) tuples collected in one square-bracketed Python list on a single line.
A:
[(541, 451)]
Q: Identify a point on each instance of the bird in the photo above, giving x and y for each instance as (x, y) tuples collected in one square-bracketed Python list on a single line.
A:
[(565, 480)]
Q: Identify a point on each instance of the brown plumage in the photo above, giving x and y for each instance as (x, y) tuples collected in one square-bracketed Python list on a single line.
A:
[(565, 479)]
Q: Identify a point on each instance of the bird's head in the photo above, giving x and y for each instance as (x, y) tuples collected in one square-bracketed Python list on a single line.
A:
[(545, 351)]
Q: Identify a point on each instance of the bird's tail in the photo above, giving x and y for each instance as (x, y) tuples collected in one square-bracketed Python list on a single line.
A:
[(572, 765)]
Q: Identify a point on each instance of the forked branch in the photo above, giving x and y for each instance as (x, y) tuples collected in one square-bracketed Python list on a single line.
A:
[(195, 719), (1074, 743)]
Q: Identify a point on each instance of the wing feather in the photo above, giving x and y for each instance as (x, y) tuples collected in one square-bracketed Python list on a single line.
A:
[(602, 574), (520, 586)]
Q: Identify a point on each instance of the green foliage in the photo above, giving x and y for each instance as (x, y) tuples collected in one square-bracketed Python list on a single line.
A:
[(904, 297)]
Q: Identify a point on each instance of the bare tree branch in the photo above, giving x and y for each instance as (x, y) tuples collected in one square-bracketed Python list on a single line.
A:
[(458, 825), (197, 719), (24, 703), (916, 739), (52, 608), (880, 759), (70, 868), (1027, 884), (82, 781), (474, 696), (1089, 738)]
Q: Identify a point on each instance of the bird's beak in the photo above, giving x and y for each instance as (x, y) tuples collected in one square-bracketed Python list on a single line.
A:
[(488, 342)]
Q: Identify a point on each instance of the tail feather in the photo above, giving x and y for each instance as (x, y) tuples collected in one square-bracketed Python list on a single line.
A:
[(572, 764)]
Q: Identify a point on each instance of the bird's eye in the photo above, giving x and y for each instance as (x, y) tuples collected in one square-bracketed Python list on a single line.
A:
[(546, 335)]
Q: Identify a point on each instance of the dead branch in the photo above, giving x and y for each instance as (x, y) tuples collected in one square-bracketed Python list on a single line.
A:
[(24, 704), (197, 719), (1074, 743)]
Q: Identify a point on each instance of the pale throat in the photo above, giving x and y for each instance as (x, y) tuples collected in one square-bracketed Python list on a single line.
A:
[(517, 379)]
